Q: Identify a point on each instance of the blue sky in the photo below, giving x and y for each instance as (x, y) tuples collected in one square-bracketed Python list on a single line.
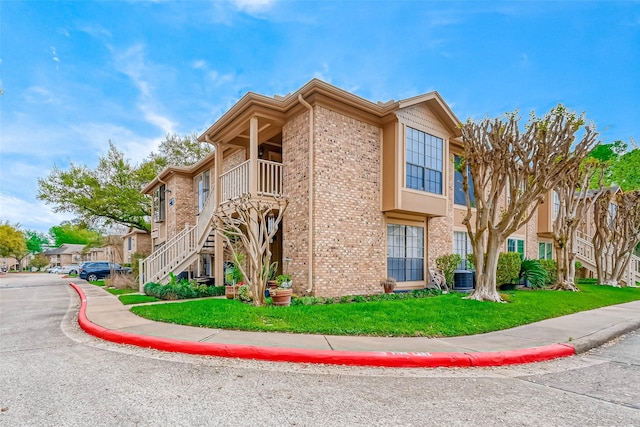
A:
[(77, 74)]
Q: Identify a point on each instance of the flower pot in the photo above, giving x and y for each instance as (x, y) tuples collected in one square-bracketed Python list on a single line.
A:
[(230, 291), (281, 297)]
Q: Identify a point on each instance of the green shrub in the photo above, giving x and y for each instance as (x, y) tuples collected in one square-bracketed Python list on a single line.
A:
[(447, 264), (508, 269), (551, 267), (533, 272), (182, 289)]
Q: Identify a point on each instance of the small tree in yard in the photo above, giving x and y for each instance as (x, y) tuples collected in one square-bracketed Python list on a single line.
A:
[(39, 262), (521, 164), (575, 200), (254, 223), (617, 222)]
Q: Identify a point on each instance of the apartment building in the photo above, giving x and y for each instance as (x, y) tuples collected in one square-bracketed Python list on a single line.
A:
[(372, 188)]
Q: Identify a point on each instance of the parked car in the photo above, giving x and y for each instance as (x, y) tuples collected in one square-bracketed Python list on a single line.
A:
[(96, 270), (54, 269), (69, 269)]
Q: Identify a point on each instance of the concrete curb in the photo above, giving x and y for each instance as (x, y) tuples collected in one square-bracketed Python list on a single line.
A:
[(353, 358), (603, 336)]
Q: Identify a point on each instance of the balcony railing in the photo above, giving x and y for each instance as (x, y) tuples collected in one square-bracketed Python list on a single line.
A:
[(235, 182)]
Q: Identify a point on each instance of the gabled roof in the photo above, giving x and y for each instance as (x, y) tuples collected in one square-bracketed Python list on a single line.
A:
[(66, 248), (279, 107)]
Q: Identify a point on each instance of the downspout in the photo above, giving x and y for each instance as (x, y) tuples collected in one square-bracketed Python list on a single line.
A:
[(310, 238)]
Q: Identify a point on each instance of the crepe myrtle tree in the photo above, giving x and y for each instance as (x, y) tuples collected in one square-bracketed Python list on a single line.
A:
[(617, 224), (575, 200), (521, 165), (253, 223)]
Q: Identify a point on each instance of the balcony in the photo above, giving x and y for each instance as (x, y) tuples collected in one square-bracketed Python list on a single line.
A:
[(236, 182)]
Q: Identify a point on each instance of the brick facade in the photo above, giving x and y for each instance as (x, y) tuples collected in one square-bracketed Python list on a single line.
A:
[(349, 227), (295, 224)]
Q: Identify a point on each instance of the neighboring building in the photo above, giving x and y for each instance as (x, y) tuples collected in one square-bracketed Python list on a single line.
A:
[(372, 187), (135, 242), (66, 254)]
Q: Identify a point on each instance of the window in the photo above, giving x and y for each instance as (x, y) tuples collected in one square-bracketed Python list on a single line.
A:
[(545, 250), (405, 252), (613, 212), (556, 204), (462, 247), (203, 184), (515, 245), (159, 208), (129, 243), (424, 161), (459, 197)]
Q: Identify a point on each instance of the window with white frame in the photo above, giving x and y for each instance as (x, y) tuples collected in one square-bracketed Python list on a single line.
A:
[(405, 252), (462, 247), (613, 212), (159, 203), (459, 197), (424, 154), (556, 204), (515, 245), (545, 250), (203, 184)]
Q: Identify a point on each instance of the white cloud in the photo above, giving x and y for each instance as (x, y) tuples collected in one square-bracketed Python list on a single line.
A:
[(39, 95), (54, 54), (133, 64), (31, 215), (199, 64), (96, 30), (253, 6)]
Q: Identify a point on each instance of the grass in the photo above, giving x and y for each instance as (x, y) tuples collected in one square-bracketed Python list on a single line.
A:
[(98, 283), (440, 316), (115, 291), (136, 299)]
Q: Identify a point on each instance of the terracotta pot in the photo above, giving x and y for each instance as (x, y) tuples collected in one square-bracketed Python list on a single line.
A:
[(281, 297), (272, 284), (230, 291), (388, 290)]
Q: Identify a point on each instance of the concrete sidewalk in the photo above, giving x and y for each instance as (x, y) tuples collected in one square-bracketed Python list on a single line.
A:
[(107, 318)]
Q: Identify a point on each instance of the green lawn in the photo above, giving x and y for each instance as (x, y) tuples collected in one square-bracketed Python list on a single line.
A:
[(440, 316), (114, 291), (136, 299)]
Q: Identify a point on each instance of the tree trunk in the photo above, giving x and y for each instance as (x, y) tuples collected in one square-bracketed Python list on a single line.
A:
[(486, 289), (565, 266)]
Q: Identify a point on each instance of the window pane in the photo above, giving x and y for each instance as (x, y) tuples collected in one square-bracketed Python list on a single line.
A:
[(405, 252), (424, 154)]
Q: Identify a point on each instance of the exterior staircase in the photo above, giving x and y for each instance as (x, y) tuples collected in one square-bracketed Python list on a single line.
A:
[(183, 249), (585, 253)]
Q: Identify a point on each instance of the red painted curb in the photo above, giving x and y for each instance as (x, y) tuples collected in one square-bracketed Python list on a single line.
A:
[(389, 359)]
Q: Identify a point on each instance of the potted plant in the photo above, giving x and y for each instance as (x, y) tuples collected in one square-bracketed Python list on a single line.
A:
[(281, 295), (236, 279), (271, 275), (388, 284)]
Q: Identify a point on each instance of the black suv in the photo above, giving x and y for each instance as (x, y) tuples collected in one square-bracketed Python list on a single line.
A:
[(96, 270)]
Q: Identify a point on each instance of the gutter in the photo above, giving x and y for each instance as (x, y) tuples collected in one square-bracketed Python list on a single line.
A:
[(311, 171)]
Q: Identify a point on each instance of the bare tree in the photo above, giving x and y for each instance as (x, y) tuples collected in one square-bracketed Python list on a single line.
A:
[(254, 222), (617, 222), (521, 165), (575, 201)]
